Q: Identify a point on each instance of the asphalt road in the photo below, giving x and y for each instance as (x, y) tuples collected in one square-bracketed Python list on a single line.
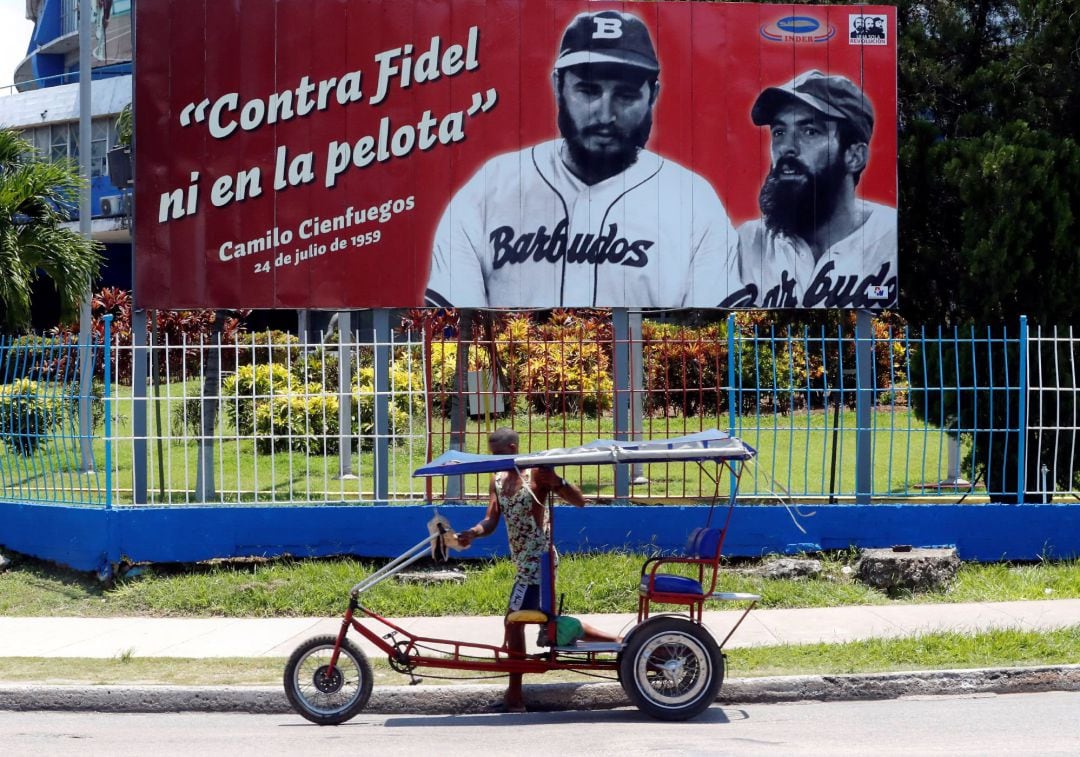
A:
[(1029, 724)]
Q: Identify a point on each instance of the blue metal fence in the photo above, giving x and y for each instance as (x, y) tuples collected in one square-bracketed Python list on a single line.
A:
[(41, 455), (914, 414)]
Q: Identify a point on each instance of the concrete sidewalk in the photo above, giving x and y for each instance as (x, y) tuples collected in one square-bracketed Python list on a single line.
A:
[(277, 637)]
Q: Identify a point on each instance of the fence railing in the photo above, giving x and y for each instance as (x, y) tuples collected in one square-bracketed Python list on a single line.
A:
[(887, 415)]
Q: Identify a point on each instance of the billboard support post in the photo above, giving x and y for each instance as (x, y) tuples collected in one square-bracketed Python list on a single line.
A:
[(345, 356), (637, 382), (864, 397), (381, 317), (205, 488), (455, 485), (138, 410), (620, 321)]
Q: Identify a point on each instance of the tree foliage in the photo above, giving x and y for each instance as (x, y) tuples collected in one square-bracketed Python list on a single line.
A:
[(35, 195), (989, 160)]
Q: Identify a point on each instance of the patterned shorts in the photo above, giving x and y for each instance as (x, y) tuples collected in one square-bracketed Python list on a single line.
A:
[(524, 597)]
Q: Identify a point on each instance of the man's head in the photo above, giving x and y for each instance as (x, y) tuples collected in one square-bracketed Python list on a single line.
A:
[(503, 441), (820, 129), (606, 84), (859, 23)]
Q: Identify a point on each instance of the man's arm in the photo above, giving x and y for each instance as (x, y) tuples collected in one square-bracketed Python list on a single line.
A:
[(547, 480), (488, 524)]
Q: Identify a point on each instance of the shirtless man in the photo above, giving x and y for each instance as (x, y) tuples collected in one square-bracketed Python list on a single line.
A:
[(520, 499)]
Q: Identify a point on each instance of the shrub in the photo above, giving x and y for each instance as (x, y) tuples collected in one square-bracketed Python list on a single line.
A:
[(187, 417), (303, 421), (318, 367), (182, 330), (407, 400), (28, 413), (685, 368), (250, 387), (263, 347)]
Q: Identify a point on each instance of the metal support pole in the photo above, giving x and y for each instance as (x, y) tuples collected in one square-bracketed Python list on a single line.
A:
[(86, 366), (205, 488), (455, 485), (864, 400), (637, 384), (382, 404), (733, 400), (138, 410), (620, 322), (1021, 453), (345, 435), (106, 399)]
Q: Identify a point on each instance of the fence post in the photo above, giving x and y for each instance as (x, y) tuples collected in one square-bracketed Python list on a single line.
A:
[(620, 323), (1021, 462), (138, 410), (864, 395), (345, 355), (381, 317)]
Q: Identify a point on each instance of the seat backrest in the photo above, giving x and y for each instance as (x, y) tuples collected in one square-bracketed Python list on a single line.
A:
[(547, 578), (704, 543)]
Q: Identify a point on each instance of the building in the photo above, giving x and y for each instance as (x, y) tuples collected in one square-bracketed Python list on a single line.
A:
[(45, 108)]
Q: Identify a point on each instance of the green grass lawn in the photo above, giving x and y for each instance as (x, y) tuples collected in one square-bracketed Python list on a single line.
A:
[(795, 453), (990, 649), (601, 583)]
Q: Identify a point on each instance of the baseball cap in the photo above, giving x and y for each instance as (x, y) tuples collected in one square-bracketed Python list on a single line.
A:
[(607, 37), (834, 96)]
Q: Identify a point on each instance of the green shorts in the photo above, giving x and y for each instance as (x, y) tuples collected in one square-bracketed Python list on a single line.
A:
[(567, 630)]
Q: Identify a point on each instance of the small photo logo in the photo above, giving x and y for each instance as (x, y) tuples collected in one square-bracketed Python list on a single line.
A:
[(878, 293), (868, 29)]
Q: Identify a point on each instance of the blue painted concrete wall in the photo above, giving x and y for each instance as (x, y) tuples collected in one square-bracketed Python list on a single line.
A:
[(88, 539)]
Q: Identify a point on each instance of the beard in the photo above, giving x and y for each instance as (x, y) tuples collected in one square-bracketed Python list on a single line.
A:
[(796, 208), (603, 163)]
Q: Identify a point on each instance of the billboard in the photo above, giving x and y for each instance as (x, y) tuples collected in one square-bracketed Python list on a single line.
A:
[(514, 153)]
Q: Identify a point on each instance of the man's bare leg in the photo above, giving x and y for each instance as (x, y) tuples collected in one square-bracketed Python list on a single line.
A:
[(515, 642), (592, 633)]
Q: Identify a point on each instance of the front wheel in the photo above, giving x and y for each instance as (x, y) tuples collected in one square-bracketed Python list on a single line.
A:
[(323, 695), (671, 668)]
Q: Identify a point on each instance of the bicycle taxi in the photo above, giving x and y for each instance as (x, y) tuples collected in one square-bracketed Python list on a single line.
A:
[(670, 665)]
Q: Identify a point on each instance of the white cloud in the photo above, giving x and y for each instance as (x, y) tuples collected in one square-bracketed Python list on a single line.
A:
[(15, 33)]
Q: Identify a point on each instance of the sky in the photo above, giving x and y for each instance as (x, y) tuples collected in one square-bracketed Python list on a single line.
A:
[(15, 33)]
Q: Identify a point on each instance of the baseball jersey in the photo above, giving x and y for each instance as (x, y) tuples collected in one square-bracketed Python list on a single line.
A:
[(526, 232), (774, 270)]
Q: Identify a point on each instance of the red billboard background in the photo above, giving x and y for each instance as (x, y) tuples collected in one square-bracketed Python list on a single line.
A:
[(199, 243)]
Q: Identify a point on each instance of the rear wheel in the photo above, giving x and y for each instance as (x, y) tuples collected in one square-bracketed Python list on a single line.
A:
[(322, 695), (671, 668)]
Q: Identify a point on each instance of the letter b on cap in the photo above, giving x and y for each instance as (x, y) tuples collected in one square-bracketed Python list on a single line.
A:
[(607, 27)]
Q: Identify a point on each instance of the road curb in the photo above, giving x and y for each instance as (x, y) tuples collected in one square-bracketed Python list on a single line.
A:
[(463, 699)]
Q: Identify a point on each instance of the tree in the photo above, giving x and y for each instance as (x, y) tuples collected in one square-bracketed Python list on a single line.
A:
[(35, 198), (988, 174)]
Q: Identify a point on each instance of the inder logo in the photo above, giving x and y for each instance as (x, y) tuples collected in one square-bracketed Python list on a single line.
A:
[(797, 29)]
